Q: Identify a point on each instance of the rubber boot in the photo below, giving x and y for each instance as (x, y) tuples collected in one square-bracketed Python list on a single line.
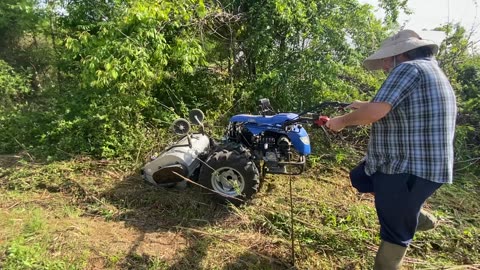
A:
[(389, 256), (426, 221)]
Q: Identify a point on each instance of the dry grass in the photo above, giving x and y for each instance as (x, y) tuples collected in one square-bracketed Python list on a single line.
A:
[(87, 214)]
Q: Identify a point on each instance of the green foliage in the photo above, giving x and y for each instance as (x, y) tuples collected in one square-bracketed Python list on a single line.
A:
[(290, 52), (23, 255), (122, 61), (105, 78), (468, 76), (454, 49), (13, 87), (110, 99), (468, 138), (393, 8), (22, 26), (16, 17), (120, 70), (14, 90), (30, 248), (463, 69)]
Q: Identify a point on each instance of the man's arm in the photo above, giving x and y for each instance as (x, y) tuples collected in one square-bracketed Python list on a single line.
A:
[(364, 114)]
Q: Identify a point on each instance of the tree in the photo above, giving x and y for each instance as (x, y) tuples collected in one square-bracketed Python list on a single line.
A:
[(119, 69), (462, 67), (279, 49)]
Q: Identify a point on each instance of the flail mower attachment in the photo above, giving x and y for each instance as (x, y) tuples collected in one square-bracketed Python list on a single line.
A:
[(182, 157)]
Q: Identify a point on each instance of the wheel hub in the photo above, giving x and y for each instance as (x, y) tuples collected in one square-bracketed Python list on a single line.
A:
[(227, 180)]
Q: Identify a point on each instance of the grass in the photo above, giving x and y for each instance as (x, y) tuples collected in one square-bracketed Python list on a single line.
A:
[(89, 214)]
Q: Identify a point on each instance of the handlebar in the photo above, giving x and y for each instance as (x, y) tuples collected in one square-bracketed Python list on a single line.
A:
[(318, 120), (323, 105)]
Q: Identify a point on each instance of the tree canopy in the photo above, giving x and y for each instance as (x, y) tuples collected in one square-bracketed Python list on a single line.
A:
[(102, 77)]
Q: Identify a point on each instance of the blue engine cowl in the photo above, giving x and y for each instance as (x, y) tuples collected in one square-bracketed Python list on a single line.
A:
[(259, 124)]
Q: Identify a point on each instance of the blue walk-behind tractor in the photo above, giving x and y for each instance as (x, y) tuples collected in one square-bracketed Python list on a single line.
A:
[(234, 167)]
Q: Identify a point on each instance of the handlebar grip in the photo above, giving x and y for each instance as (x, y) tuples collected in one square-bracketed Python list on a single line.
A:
[(321, 121)]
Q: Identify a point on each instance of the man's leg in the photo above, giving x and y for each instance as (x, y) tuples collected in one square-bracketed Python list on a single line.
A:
[(426, 221), (398, 200)]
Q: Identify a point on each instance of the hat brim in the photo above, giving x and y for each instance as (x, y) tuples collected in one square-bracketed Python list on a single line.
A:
[(374, 61)]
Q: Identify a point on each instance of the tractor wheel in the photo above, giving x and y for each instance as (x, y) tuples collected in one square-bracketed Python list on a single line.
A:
[(231, 174)]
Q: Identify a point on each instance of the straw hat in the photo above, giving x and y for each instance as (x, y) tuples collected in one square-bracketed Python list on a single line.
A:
[(399, 43)]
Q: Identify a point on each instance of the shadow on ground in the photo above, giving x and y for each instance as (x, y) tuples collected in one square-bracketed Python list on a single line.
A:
[(178, 228)]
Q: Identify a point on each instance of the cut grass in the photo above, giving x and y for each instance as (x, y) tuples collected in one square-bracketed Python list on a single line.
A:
[(87, 214)]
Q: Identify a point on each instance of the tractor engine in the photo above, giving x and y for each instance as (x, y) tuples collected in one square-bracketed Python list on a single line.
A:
[(271, 147), (275, 150)]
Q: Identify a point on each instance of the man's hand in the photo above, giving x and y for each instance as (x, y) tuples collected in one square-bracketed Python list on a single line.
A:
[(335, 124)]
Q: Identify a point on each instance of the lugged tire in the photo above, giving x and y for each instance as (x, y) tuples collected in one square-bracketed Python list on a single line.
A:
[(228, 166)]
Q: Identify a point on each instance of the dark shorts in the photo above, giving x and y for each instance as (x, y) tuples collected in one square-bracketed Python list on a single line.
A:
[(398, 200)]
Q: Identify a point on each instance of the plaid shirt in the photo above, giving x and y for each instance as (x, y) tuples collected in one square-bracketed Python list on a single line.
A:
[(416, 136)]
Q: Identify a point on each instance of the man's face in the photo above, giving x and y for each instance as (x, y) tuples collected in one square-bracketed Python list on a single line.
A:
[(388, 64)]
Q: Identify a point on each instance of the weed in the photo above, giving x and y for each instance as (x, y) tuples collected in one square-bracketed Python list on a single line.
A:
[(70, 211), (30, 248)]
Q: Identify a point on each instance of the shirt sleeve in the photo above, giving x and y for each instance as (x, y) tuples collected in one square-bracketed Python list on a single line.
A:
[(398, 85)]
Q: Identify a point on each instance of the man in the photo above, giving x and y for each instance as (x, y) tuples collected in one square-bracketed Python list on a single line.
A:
[(410, 151)]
